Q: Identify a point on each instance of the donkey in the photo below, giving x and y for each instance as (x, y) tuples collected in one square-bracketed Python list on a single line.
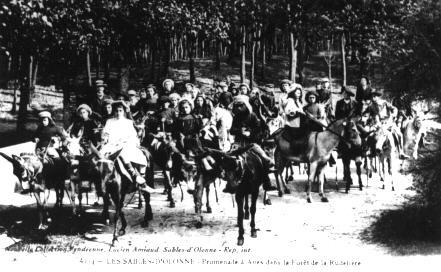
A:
[(116, 185), (28, 168), (385, 153), (318, 148), (243, 169)]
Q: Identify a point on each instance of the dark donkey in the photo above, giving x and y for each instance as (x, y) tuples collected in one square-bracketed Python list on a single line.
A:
[(243, 169), (115, 185)]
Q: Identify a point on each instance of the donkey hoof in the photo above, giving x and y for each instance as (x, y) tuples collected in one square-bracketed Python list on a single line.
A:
[(280, 194), (209, 210), (240, 241), (121, 232), (347, 190), (172, 205), (267, 202), (290, 178), (247, 216), (287, 191), (198, 224), (145, 223), (164, 192), (309, 200), (393, 188), (383, 187), (325, 199), (253, 234), (139, 207)]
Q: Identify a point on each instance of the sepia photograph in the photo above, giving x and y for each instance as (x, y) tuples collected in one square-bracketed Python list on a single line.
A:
[(283, 135)]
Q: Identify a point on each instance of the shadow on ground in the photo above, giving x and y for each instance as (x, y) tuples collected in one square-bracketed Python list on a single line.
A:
[(409, 230)]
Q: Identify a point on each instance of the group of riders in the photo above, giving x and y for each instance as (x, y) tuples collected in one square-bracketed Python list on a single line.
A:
[(228, 115)]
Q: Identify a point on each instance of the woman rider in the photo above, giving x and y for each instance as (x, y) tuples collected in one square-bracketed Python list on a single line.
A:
[(119, 133), (44, 133)]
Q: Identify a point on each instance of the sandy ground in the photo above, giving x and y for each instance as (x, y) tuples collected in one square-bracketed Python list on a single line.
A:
[(289, 226)]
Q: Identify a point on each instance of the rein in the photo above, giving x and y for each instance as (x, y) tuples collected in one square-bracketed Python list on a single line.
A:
[(328, 128)]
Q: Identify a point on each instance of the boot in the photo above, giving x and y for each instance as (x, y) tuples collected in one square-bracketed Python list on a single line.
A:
[(137, 178)]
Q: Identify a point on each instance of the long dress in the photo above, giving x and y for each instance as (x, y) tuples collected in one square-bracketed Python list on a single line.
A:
[(121, 134)]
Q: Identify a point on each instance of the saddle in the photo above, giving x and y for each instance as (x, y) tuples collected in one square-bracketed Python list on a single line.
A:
[(297, 139)]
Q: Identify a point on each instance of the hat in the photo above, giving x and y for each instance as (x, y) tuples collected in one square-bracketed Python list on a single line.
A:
[(151, 86), (269, 85), (285, 81), (163, 99), (244, 84), (347, 90), (377, 92), (324, 79), (85, 107), (107, 101), (119, 103), (222, 84), (100, 83), (174, 95), (168, 80), (131, 93), (244, 100), (308, 94), (45, 114), (189, 83)]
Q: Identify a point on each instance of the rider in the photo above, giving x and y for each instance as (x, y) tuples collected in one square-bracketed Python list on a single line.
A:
[(247, 130), (324, 97), (44, 133), (147, 103), (244, 89), (107, 111), (293, 117), (96, 103), (364, 90), (346, 106), (315, 111), (119, 134), (88, 126), (385, 112), (367, 127), (186, 129)]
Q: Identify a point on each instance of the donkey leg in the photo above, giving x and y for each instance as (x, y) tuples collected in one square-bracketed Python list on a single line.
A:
[(390, 172), (347, 173), (253, 214), (207, 192), (168, 188), (240, 214), (320, 176), (246, 208), (118, 208), (148, 214), (106, 203), (358, 164), (291, 173), (311, 176)]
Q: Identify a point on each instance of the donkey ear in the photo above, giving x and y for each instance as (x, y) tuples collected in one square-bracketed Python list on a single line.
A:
[(114, 155)]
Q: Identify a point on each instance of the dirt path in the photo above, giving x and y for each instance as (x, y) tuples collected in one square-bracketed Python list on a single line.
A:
[(289, 225)]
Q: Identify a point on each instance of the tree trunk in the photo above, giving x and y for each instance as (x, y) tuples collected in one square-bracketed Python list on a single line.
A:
[(243, 55), (192, 47), (24, 96), (301, 58), (217, 64), (98, 63), (166, 57), (343, 58), (292, 57), (263, 56), (153, 62), (253, 61), (34, 75), (89, 74)]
